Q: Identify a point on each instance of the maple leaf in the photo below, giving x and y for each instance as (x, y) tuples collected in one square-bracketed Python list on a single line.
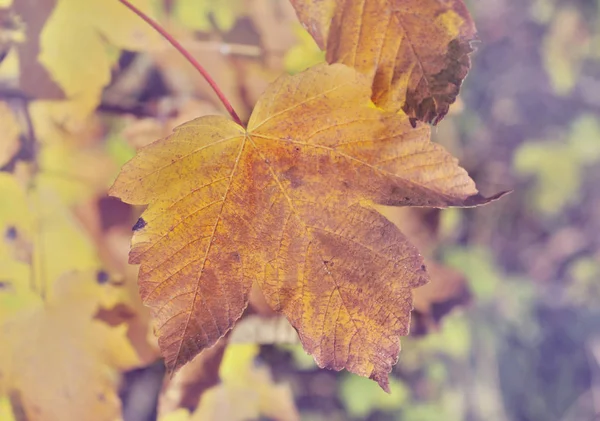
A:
[(448, 287), (414, 51), (282, 203)]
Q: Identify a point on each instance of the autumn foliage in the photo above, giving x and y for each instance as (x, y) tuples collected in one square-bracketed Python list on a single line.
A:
[(286, 206), (285, 201)]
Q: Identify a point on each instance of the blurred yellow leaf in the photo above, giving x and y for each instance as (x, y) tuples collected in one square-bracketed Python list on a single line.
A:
[(584, 138), (197, 14), (584, 288), (13, 212), (72, 158), (9, 68), (59, 243), (57, 121), (6, 413), (565, 46), (557, 165), (304, 54), (9, 127), (15, 292), (179, 415), (74, 44), (39, 221), (454, 337), (361, 397), (58, 361), (76, 174), (478, 265), (247, 391)]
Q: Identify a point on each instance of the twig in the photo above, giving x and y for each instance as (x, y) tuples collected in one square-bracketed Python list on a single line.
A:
[(188, 57)]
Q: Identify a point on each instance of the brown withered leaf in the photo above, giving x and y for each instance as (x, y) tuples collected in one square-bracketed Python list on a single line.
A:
[(416, 52), (283, 203), (447, 290)]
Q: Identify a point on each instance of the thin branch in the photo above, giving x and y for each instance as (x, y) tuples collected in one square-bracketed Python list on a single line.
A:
[(188, 57)]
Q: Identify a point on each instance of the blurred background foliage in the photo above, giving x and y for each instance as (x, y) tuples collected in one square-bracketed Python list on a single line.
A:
[(521, 343)]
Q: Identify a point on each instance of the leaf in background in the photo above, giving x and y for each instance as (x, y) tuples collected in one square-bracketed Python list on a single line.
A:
[(187, 387), (362, 397), (72, 157), (38, 220), (282, 203), (75, 173), (584, 288), (558, 165), (197, 14), (57, 362), (453, 337), (74, 45), (250, 387), (181, 414), (416, 52), (6, 413), (477, 263), (304, 54), (9, 127), (565, 47), (34, 79)]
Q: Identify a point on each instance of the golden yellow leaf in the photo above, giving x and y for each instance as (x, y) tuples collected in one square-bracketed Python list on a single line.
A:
[(57, 362), (414, 51), (38, 221), (285, 203), (6, 413), (14, 211), (181, 414), (74, 44), (76, 174), (304, 54), (250, 387)]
